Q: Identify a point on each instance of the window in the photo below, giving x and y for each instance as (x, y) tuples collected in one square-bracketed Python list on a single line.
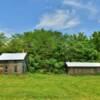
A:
[(15, 68), (6, 69)]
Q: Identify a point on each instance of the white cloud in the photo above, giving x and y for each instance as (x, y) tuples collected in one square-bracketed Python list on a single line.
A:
[(89, 6), (8, 32), (58, 20)]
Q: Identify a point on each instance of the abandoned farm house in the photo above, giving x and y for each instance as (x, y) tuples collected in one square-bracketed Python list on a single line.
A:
[(11, 63), (77, 68)]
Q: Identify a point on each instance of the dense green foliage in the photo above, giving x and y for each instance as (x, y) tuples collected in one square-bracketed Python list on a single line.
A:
[(49, 87), (48, 50)]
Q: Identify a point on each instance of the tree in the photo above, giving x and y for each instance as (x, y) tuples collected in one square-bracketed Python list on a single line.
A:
[(3, 41), (48, 50), (95, 39)]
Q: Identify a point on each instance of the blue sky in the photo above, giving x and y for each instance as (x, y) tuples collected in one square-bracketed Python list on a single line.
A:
[(67, 16)]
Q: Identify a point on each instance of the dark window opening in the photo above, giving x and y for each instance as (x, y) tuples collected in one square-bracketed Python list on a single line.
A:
[(15, 69), (6, 69)]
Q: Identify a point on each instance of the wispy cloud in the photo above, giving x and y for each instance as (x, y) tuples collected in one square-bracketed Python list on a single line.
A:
[(71, 14), (8, 32), (88, 6), (58, 20)]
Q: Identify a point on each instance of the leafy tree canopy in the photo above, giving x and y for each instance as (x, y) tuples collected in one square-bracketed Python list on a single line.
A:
[(48, 50)]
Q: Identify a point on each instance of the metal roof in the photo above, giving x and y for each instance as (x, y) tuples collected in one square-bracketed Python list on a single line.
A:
[(82, 64), (12, 56)]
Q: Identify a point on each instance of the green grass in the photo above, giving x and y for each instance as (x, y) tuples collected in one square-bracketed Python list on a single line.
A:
[(49, 87)]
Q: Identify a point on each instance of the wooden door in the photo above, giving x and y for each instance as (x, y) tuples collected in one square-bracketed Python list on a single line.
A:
[(1, 70)]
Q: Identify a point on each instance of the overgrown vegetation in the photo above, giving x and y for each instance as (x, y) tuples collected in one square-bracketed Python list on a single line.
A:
[(48, 50)]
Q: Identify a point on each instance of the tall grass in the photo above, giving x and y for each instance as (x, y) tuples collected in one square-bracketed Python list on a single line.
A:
[(49, 87)]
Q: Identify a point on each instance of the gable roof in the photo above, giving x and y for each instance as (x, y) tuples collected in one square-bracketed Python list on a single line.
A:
[(12, 56), (82, 64)]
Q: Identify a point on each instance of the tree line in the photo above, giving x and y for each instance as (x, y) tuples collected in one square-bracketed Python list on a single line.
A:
[(48, 50)]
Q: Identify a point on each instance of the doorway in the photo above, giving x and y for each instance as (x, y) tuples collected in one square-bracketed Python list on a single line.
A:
[(1, 70)]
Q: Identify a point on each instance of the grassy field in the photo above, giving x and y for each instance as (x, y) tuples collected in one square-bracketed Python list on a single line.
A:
[(49, 87)]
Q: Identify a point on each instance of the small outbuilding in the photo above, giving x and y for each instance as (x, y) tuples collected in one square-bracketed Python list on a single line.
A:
[(13, 63), (77, 68)]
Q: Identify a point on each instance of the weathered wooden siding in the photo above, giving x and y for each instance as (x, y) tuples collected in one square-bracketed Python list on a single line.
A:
[(83, 70), (21, 67)]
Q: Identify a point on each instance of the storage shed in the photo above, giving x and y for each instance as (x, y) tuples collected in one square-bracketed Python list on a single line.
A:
[(13, 63), (76, 68)]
